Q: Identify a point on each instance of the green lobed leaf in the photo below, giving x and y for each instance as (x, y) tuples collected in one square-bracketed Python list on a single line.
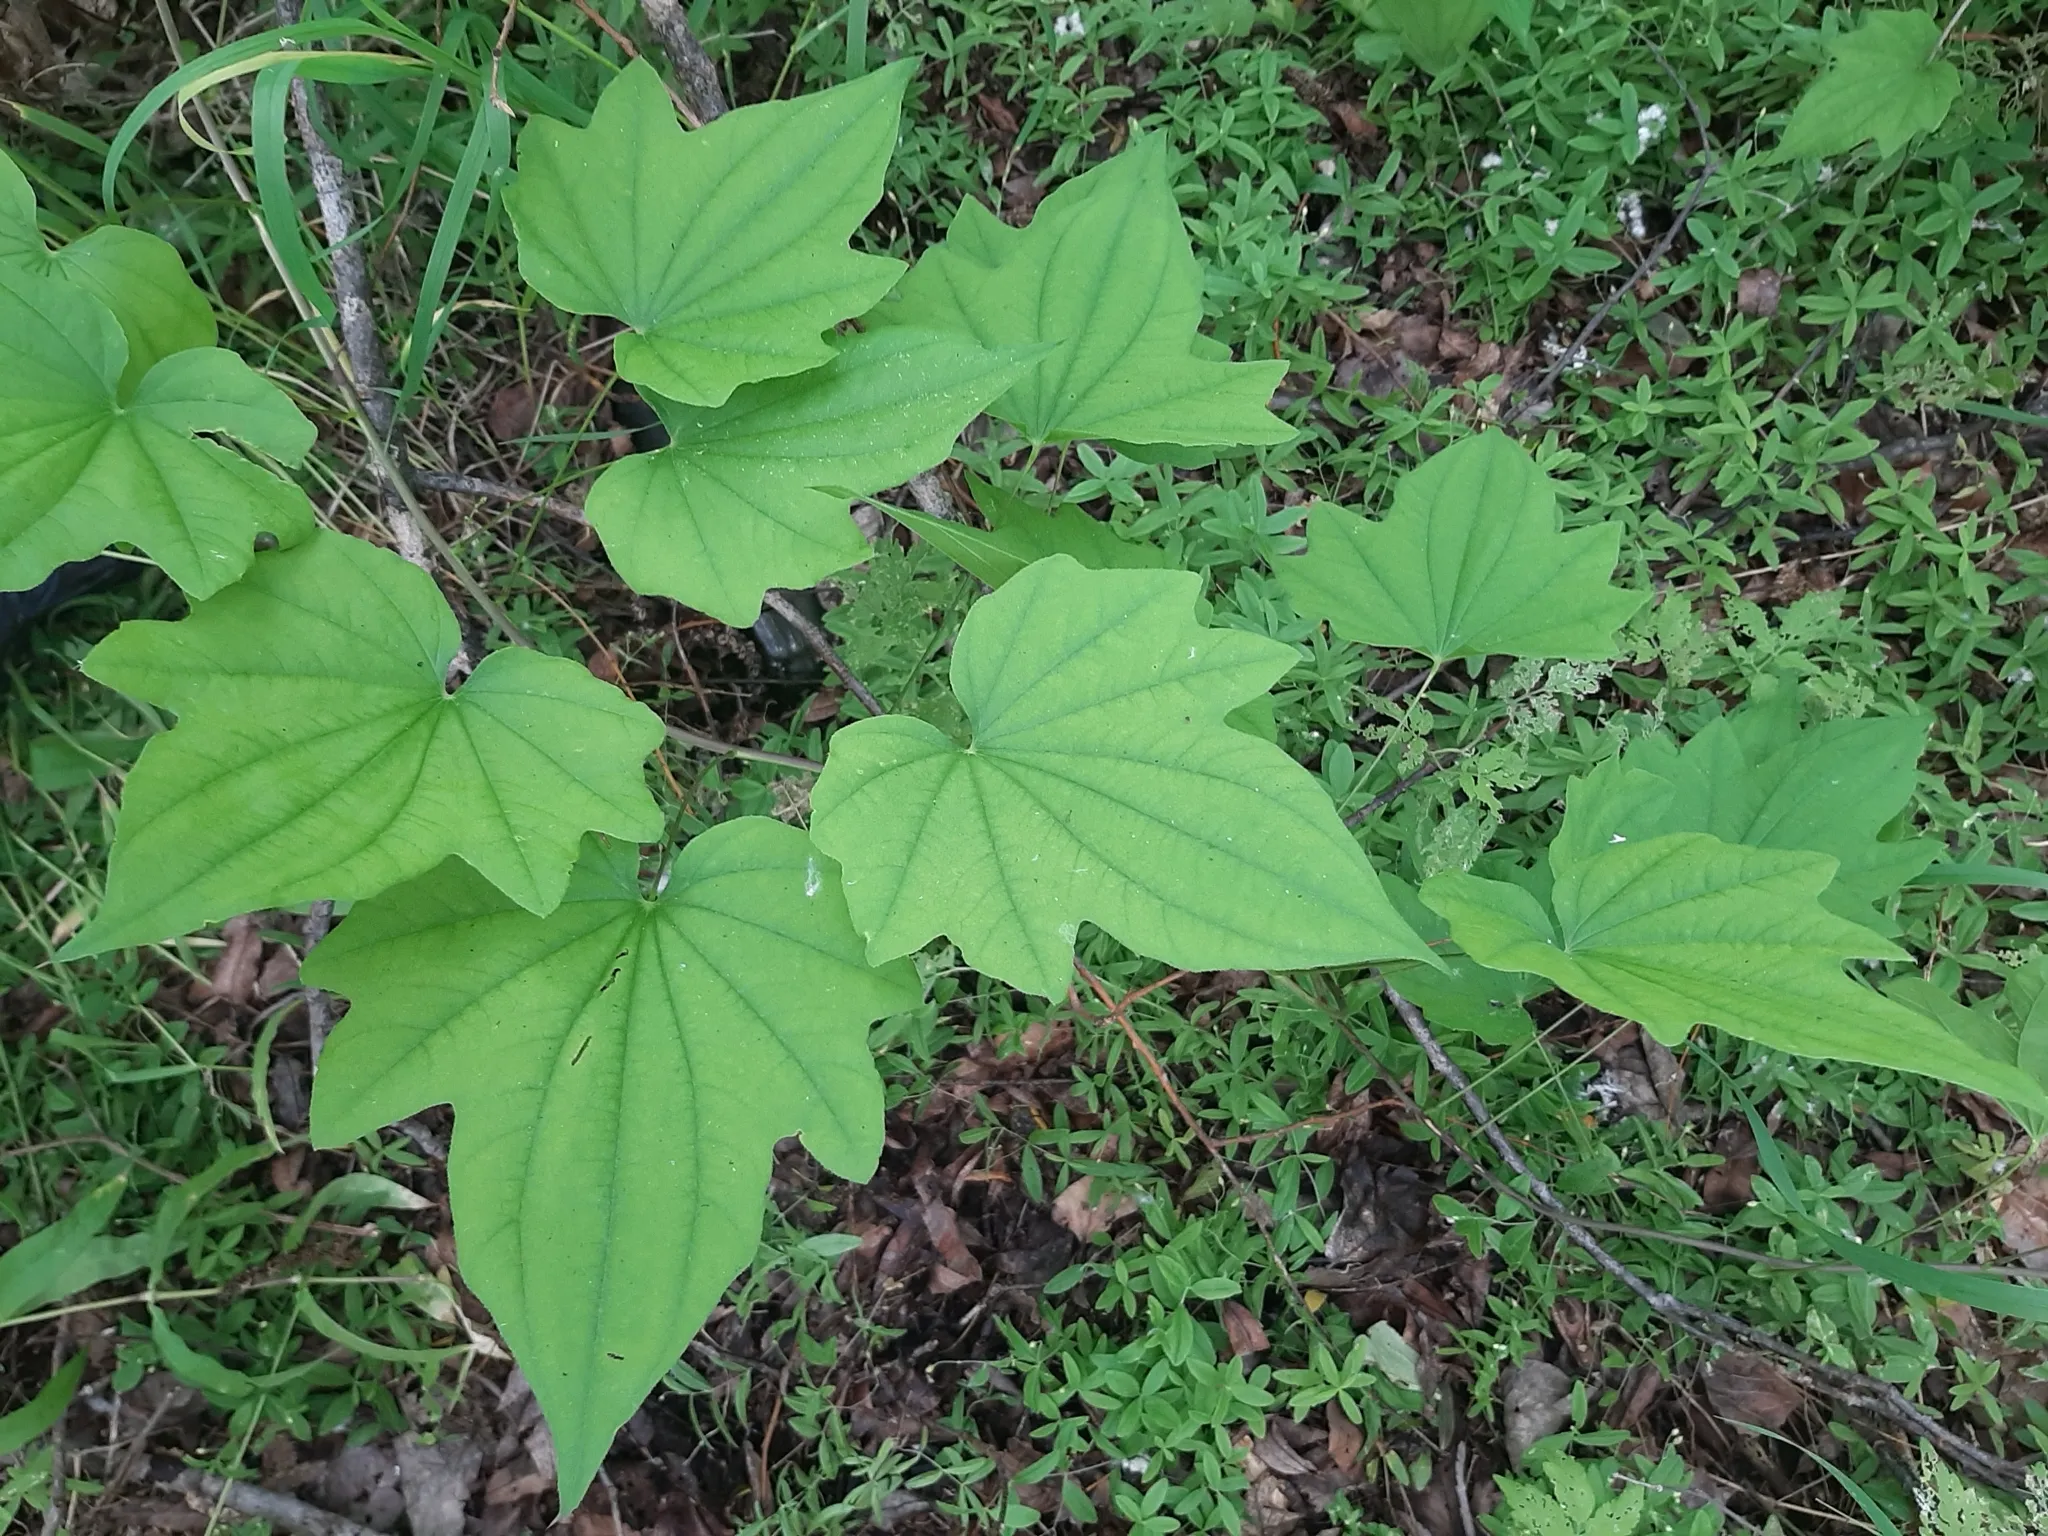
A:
[(1019, 533), (621, 1071), (1684, 929), (317, 754), (1434, 33), (1105, 274), (1459, 993), (1469, 562), (724, 249), (82, 468), (1102, 786), (1884, 81), (753, 494), (141, 278), (1758, 777)]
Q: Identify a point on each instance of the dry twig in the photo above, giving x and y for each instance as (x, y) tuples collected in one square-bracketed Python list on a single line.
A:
[(821, 643), (1852, 1389), (696, 75), (258, 1503)]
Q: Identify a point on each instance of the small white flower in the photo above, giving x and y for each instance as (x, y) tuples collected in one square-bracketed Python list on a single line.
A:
[(1629, 209), (1326, 167), (1550, 226), (1070, 26), (1650, 125), (1825, 174), (1136, 1466), (1491, 160), (2024, 675)]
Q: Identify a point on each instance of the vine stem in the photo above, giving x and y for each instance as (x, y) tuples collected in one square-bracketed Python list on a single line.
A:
[(1948, 31), (1853, 1389)]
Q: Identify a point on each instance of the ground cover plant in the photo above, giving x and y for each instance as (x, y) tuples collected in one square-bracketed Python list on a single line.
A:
[(1399, 884)]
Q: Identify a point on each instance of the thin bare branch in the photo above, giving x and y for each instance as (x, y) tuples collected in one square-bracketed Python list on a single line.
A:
[(491, 490), (248, 1499), (820, 642), (1853, 1389)]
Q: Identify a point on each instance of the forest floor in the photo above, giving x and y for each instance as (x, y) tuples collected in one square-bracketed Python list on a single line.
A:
[(1200, 1249)]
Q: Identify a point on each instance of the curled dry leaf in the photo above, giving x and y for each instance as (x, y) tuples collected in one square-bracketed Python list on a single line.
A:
[(233, 977), (1247, 1336), (1748, 1389), (957, 1268), (1077, 1209), (1757, 292), (1346, 1439), (2023, 1215), (1536, 1401)]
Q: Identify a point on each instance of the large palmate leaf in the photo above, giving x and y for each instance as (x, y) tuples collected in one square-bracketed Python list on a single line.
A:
[(1884, 81), (1102, 786), (140, 278), (1758, 777), (1106, 276), (753, 494), (1019, 533), (724, 248), (82, 468), (317, 754), (1684, 929), (621, 1071), (1469, 562)]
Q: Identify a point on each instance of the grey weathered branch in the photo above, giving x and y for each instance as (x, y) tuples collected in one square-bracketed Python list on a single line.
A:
[(1853, 1389), (334, 190), (471, 485), (821, 643), (253, 1501), (696, 75), (932, 498)]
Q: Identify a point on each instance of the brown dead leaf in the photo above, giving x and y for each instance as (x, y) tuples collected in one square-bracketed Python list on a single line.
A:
[(509, 1486), (1536, 1401), (2023, 1215), (512, 412), (604, 666), (1574, 1322), (1346, 1439), (233, 977), (1280, 1457), (1757, 292), (943, 1228), (1748, 1389), (999, 116), (280, 972), (286, 1176), (1638, 1395), (1076, 1208), (1247, 1336)]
